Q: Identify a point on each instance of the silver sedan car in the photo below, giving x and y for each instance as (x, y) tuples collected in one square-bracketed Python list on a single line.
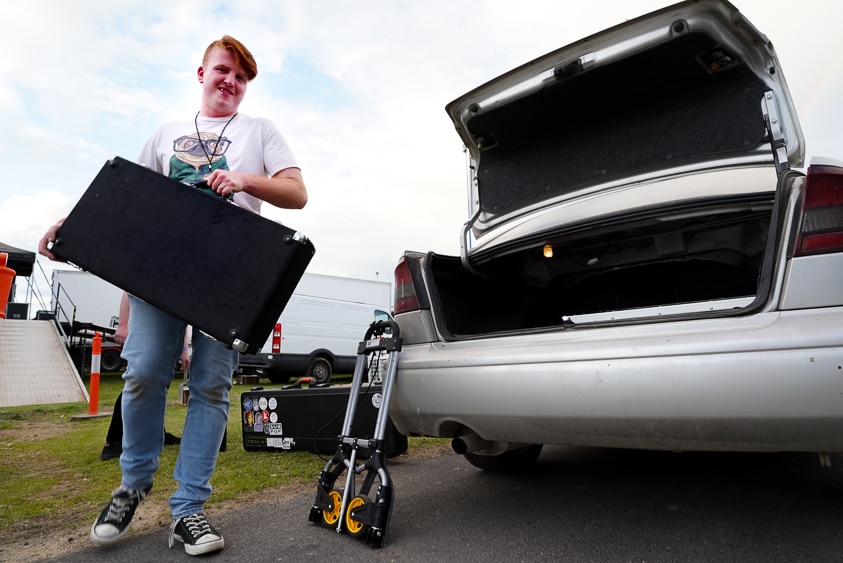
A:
[(645, 264)]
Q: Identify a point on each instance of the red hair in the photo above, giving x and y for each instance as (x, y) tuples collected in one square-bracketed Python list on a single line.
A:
[(241, 54)]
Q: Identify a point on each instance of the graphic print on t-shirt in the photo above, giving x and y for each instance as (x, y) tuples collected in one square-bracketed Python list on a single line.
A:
[(196, 156)]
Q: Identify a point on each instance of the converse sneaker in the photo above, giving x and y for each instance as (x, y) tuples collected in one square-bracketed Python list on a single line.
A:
[(116, 518), (196, 534)]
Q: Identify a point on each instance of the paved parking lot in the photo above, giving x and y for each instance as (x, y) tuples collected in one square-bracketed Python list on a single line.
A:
[(577, 505)]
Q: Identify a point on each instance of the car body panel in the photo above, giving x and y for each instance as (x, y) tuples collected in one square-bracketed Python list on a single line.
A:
[(807, 282), (710, 384)]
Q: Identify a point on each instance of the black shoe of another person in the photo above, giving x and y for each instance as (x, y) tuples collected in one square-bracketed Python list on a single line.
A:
[(170, 440), (116, 518), (196, 534), (110, 451)]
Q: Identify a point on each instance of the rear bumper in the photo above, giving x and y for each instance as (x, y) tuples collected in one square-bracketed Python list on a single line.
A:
[(766, 382)]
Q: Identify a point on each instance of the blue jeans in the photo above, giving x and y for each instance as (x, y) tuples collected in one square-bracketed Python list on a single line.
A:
[(153, 345)]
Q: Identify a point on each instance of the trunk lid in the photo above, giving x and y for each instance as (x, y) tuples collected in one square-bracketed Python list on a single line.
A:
[(690, 87)]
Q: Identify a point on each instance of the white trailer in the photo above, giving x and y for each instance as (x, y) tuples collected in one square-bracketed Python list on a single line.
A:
[(84, 298), (84, 304)]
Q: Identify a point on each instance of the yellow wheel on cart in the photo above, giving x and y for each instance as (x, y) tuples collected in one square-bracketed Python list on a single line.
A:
[(330, 517), (353, 527)]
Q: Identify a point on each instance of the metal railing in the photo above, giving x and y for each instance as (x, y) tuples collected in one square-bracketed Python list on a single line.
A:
[(58, 314)]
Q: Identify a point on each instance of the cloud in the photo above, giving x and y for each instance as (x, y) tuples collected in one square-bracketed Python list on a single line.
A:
[(21, 225)]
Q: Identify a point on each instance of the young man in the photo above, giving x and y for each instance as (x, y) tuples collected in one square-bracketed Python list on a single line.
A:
[(240, 156)]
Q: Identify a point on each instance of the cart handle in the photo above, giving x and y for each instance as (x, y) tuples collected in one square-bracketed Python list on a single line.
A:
[(377, 328)]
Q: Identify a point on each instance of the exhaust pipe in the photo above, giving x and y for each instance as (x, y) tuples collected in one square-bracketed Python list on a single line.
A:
[(468, 443)]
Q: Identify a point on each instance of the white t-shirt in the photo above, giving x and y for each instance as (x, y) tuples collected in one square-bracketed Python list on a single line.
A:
[(242, 144)]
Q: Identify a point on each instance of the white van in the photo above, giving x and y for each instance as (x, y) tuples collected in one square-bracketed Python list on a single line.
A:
[(314, 337)]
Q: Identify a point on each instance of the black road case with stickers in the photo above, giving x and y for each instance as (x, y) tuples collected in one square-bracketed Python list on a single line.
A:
[(225, 270), (310, 419)]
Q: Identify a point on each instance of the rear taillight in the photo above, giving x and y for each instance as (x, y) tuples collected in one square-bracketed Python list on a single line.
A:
[(405, 292), (821, 228), (276, 339)]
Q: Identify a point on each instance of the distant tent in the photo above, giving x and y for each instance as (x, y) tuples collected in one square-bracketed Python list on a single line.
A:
[(20, 261)]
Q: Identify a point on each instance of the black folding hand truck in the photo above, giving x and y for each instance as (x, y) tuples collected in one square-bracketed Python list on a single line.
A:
[(344, 509)]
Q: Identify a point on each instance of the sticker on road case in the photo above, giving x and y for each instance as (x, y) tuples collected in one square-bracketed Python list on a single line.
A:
[(283, 443), (273, 429)]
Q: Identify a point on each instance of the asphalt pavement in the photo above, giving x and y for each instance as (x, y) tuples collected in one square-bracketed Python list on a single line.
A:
[(578, 504)]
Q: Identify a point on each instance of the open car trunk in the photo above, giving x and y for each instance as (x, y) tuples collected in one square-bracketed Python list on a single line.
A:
[(637, 173), (713, 259)]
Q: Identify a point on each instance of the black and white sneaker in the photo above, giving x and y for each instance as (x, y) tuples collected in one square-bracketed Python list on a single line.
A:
[(116, 518), (196, 534)]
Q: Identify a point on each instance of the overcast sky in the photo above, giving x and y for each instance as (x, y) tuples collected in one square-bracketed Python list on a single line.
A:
[(357, 88)]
